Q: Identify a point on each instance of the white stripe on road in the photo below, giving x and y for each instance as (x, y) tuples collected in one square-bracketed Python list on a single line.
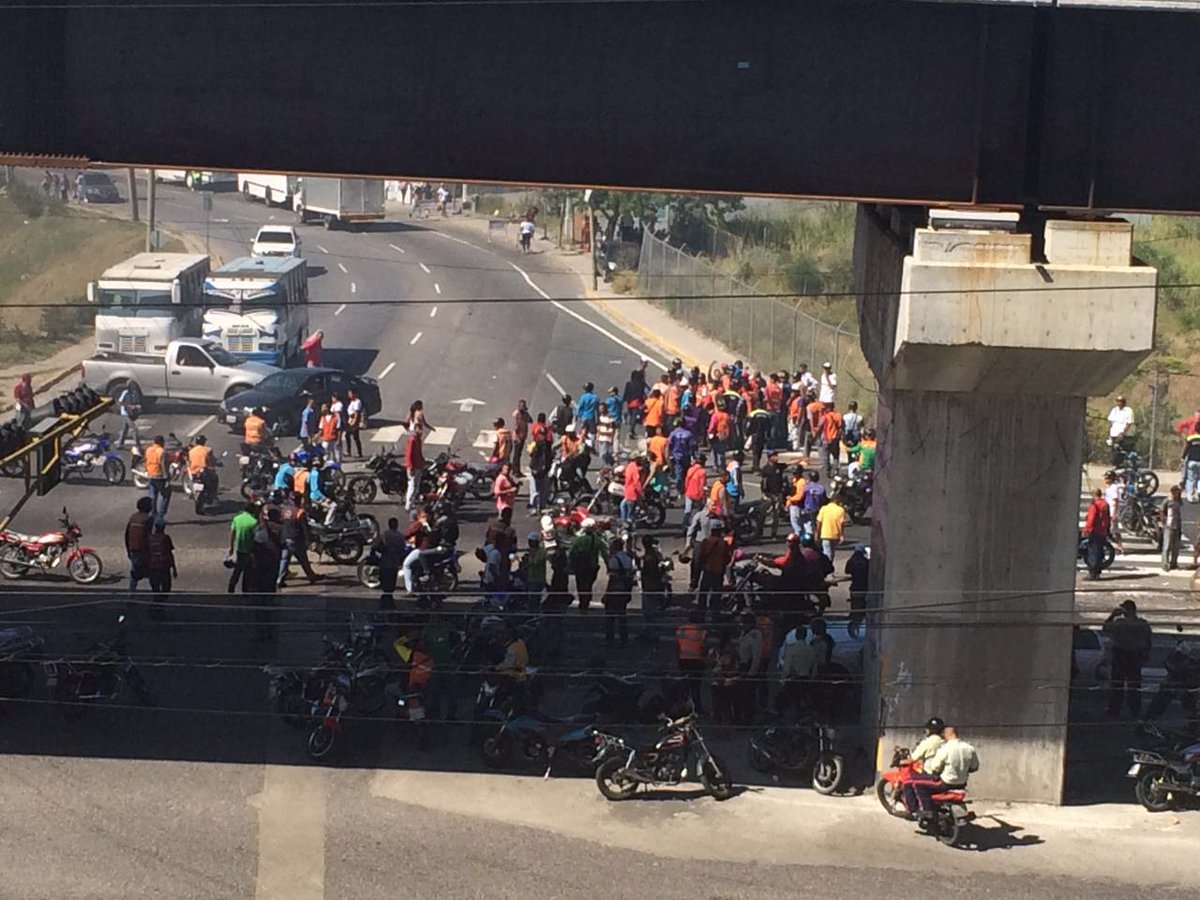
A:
[(424, 268), (322, 249), (433, 312), (437, 287), (343, 268), (195, 431), (353, 288), (338, 311), (291, 833), (588, 322), (387, 369), (416, 337), (558, 387), (397, 249)]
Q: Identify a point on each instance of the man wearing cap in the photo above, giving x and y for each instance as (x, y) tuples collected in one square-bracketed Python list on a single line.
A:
[(1120, 430), (1131, 639), (827, 384)]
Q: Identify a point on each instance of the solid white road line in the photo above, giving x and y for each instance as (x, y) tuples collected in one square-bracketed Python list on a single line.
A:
[(397, 249), (433, 312), (322, 249), (588, 322), (424, 268), (387, 368), (416, 337), (291, 833), (558, 387), (437, 287), (338, 311), (195, 431), (343, 268), (353, 288)]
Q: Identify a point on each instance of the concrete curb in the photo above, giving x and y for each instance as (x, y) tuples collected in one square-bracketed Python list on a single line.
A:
[(631, 326)]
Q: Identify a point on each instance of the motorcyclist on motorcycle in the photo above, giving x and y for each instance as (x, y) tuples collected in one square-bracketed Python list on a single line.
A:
[(202, 466), (285, 475), (934, 731), (947, 770)]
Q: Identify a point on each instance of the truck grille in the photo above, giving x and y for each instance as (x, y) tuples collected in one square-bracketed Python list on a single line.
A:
[(239, 343), (131, 343)]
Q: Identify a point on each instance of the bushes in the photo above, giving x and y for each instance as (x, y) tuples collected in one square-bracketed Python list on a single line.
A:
[(68, 322), (32, 202)]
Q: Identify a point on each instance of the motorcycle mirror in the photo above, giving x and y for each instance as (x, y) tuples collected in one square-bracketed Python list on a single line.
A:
[(121, 619)]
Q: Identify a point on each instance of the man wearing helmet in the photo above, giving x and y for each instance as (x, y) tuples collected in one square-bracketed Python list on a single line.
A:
[(202, 468), (935, 730)]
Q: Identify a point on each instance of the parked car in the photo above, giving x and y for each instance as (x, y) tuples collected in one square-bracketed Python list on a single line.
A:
[(99, 188), (276, 240), (284, 394)]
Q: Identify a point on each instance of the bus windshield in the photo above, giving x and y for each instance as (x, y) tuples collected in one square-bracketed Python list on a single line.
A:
[(142, 303), (236, 298)]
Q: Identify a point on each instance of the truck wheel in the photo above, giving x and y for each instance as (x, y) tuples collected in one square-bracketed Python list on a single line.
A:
[(329, 222)]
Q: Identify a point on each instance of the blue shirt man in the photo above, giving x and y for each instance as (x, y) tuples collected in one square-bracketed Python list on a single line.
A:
[(614, 405), (308, 421), (284, 476), (314, 485), (814, 496), (681, 444), (587, 408)]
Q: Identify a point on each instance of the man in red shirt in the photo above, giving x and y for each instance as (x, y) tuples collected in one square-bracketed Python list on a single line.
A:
[(720, 430), (414, 463), (831, 437), (1096, 528), (695, 488), (23, 397)]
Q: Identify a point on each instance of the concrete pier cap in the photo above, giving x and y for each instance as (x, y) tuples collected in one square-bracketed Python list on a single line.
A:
[(986, 336)]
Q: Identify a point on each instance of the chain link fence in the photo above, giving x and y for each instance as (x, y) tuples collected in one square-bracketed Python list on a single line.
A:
[(770, 333)]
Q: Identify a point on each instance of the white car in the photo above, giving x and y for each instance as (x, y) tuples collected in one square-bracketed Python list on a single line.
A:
[(276, 240)]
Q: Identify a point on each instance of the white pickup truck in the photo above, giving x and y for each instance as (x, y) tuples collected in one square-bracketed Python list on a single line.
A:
[(192, 370)]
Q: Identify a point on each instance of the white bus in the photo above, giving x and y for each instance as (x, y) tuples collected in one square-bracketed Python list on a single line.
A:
[(148, 301), (274, 190), (257, 308)]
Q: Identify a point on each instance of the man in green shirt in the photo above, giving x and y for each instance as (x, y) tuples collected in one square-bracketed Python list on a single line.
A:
[(866, 451), (534, 566), (241, 545), (587, 550)]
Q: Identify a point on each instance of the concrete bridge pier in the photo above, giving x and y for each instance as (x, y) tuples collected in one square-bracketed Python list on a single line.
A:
[(986, 340)]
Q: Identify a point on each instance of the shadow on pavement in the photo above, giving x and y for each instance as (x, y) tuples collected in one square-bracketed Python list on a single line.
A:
[(998, 836)]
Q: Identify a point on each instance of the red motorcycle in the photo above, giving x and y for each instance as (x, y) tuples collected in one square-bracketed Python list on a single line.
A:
[(890, 789), (20, 553)]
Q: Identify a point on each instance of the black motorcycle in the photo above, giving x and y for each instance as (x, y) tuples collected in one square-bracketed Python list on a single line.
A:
[(805, 750), (433, 582), (345, 534), (1108, 554), (623, 699), (1163, 775), (749, 520), (101, 676), (387, 475), (854, 495), (258, 471), (1138, 481), (680, 755), (1139, 515), (17, 646)]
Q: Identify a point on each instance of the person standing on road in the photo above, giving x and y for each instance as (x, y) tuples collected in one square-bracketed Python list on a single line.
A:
[(1114, 495), (695, 489), (586, 553), (562, 417), (1120, 430), (338, 409), (1191, 464), (831, 439), (501, 444), (606, 432), (294, 532), (858, 567), (618, 593), (680, 446), (521, 420), (504, 489), (541, 457), (23, 400), (616, 408), (159, 489), (1171, 516), (635, 398), (587, 413), (355, 422), (1131, 640), (308, 421), (690, 640), (831, 526), (392, 549), (130, 411), (327, 429), (241, 545), (715, 556), (815, 497), (772, 483), (160, 567), (137, 533), (1096, 528), (632, 491)]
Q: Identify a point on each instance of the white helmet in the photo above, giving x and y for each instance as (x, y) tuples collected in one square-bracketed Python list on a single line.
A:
[(570, 429), (588, 524)]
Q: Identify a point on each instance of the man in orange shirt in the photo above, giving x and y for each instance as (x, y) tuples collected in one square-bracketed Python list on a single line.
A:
[(720, 430), (694, 488), (831, 435), (654, 410), (656, 446), (671, 404), (813, 412), (502, 446), (159, 489)]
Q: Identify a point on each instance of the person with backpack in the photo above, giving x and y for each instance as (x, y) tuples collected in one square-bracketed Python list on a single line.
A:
[(621, 578), (586, 553)]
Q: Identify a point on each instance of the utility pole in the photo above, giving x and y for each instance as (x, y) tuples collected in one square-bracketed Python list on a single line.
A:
[(134, 213), (149, 209), (1155, 389), (592, 247)]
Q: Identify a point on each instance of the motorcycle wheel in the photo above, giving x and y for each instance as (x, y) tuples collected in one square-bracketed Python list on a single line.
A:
[(496, 750), (114, 471), (759, 761), (1110, 555), (252, 487), (748, 530), (362, 490), (891, 798), (655, 515), (368, 575), (320, 741), (447, 581), (1147, 484), (612, 782), (714, 775), (828, 772), (16, 678), (945, 827), (290, 707), (139, 477), (1150, 793), (85, 568), (345, 552), (12, 563)]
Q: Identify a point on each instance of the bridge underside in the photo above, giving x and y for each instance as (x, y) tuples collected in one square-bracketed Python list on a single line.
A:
[(902, 101)]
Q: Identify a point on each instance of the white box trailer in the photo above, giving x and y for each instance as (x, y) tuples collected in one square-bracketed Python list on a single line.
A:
[(274, 190), (338, 201)]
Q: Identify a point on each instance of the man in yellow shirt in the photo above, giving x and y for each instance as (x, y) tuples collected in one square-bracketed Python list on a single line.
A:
[(831, 524)]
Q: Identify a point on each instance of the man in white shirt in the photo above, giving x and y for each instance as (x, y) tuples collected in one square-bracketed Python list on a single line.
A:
[(354, 423), (827, 385), (1114, 494), (1120, 430), (947, 770)]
